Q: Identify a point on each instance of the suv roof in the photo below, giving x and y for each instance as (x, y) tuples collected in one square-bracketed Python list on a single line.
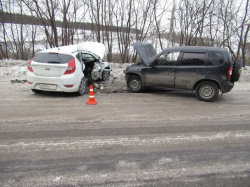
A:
[(148, 54), (195, 48)]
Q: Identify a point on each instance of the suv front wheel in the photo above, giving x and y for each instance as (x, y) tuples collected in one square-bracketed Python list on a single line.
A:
[(207, 91), (135, 83)]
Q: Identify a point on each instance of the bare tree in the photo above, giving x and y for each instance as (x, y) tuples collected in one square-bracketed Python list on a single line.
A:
[(95, 16), (108, 8), (3, 44), (214, 22), (144, 19), (16, 35), (71, 21), (192, 19), (244, 30), (65, 25), (157, 22), (171, 34), (235, 27), (123, 17), (46, 12)]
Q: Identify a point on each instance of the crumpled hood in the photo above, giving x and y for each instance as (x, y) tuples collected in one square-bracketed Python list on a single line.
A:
[(145, 51), (94, 47)]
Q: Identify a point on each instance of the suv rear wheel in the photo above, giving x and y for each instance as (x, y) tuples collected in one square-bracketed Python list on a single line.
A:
[(207, 91), (135, 83)]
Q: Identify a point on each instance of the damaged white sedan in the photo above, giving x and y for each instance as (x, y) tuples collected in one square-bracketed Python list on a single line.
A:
[(68, 68)]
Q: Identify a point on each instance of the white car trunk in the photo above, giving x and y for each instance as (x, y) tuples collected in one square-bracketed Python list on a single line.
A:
[(48, 70)]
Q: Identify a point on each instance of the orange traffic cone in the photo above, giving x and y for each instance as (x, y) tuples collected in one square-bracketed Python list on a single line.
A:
[(91, 100)]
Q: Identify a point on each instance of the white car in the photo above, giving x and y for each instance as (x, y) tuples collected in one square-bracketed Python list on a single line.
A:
[(68, 68)]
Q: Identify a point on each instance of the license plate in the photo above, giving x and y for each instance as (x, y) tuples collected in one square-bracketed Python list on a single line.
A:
[(47, 86)]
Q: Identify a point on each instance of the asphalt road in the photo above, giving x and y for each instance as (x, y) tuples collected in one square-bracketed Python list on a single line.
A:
[(158, 138)]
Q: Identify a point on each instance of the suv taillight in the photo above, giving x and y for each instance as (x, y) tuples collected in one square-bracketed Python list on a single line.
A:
[(230, 71), (71, 67), (29, 66)]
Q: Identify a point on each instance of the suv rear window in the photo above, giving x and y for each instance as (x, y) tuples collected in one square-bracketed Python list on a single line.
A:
[(52, 58), (215, 59), (193, 59)]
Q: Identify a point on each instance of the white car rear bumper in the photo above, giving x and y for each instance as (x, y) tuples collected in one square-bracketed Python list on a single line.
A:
[(65, 83)]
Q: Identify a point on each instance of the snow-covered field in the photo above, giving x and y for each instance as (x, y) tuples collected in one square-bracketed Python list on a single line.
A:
[(15, 71)]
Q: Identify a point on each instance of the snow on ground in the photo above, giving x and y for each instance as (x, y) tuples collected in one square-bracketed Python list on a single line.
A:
[(13, 70), (245, 74)]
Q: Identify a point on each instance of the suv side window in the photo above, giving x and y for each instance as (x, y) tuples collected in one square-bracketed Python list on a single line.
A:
[(215, 59), (193, 59), (169, 59)]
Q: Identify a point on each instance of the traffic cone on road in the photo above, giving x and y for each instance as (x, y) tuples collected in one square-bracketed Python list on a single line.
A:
[(91, 100)]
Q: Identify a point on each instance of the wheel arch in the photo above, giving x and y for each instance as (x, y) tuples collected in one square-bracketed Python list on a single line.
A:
[(207, 80), (108, 67), (136, 74), (135, 84)]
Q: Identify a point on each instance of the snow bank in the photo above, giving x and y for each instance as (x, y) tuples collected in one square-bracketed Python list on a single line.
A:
[(9, 63), (13, 70), (245, 74)]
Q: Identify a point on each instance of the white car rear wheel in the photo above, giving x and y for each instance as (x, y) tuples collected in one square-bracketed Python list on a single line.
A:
[(82, 86)]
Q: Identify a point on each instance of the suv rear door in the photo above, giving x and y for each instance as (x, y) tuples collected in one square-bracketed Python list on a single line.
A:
[(216, 70), (191, 68)]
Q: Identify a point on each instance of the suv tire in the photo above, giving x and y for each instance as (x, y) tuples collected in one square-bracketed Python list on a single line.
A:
[(135, 84), (207, 91)]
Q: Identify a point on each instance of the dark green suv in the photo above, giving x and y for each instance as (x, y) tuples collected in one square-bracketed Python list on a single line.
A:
[(206, 70)]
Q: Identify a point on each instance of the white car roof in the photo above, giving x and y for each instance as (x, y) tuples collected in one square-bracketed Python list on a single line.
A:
[(94, 47)]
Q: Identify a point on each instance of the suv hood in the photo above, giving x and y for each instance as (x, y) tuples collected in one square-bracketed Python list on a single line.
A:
[(145, 51)]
